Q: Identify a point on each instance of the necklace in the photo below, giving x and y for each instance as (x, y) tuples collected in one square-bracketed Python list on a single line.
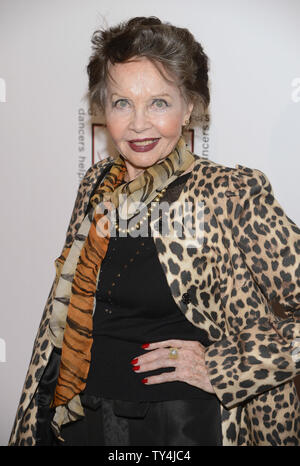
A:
[(140, 222), (123, 269)]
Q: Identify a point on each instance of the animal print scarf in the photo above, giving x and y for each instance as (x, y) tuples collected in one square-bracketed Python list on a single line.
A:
[(70, 326)]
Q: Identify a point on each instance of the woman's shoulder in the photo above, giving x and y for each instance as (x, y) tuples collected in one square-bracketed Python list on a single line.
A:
[(102, 164), (207, 165), (218, 175), (95, 170)]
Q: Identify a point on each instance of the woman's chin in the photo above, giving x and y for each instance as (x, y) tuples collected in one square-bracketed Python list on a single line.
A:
[(142, 162)]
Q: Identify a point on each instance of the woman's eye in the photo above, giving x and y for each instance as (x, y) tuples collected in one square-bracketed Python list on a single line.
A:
[(121, 103), (160, 103)]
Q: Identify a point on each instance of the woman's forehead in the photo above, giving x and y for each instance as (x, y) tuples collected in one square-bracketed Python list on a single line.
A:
[(136, 75)]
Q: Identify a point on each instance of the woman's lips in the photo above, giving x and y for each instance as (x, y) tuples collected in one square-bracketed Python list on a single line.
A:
[(143, 146)]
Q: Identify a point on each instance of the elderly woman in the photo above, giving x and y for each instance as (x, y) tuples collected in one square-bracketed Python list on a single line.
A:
[(164, 338)]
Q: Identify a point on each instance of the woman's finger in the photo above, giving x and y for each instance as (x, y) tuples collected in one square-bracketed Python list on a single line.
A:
[(175, 343), (161, 378), (159, 358)]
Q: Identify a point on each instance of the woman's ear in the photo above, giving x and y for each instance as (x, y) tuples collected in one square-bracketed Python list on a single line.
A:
[(190, 107)]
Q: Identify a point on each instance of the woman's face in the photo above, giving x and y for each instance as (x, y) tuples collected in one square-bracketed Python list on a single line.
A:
[(141, 105)]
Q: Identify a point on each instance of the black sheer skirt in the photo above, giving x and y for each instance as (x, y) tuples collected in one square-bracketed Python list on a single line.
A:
[(162, 423)]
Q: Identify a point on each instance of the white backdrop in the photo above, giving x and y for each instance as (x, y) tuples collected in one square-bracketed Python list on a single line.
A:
[(45, 133)]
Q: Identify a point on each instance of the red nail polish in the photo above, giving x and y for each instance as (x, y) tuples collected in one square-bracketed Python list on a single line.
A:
[(136, 368), (134, 361), (145, 345), (145, 380)]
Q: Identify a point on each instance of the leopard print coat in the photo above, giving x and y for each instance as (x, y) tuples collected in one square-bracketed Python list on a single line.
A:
[(249, 260)]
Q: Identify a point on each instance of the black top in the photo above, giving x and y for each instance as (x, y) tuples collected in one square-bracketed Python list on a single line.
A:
[(134, 305)]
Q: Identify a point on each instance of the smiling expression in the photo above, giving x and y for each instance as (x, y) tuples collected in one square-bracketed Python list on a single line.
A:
[(142, 105)]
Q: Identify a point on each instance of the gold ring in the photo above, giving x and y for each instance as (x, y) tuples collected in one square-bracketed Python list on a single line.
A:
[(173, 353)]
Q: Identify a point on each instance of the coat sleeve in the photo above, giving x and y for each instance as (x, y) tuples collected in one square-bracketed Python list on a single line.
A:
[(25, 425), (264, 353)]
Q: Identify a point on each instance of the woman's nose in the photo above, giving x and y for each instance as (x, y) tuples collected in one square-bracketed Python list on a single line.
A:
[(140, 121)]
